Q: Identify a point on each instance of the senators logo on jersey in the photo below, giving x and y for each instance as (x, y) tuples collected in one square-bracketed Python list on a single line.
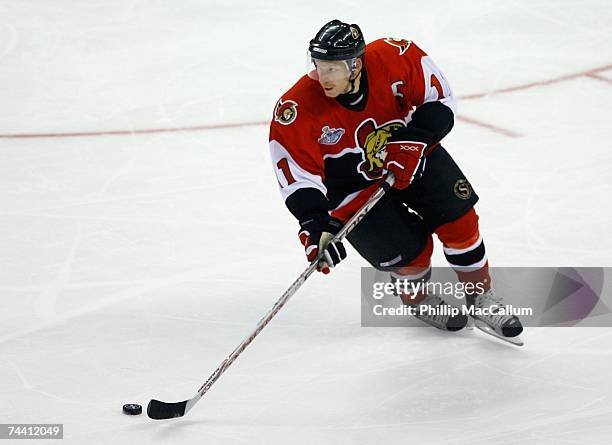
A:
[(285, 112), (402, 44), (340, 151), (372, 139)]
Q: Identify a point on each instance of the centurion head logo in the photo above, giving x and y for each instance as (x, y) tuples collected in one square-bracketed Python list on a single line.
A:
[(372, 139), (285, 112), (402, 44)]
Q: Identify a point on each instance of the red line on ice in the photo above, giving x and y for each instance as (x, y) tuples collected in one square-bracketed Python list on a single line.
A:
[(526, 86), (588, 73), (131, 132), (491, 127), (598, 77)]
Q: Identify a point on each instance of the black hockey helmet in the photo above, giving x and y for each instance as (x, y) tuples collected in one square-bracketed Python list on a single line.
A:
[(337, 40)]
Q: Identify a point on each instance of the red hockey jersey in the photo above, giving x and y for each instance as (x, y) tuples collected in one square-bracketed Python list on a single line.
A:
[(317, 143)]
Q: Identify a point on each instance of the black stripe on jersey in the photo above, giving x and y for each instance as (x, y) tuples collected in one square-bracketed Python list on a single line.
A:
[(306, 200), (468, 258), (434, 117)]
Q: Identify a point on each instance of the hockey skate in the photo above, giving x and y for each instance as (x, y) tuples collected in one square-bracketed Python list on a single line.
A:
[(503, 326), (434, 311)]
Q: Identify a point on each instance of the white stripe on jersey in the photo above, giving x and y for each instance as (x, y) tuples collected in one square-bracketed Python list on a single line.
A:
[(303, 179), (348, 199), (431, 93), (344, 151)]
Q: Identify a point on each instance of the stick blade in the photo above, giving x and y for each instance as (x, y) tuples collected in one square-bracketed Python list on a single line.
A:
[(162, 410)]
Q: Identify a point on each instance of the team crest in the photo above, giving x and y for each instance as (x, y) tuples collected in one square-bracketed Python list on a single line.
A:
[(285, 112), (331, 136), (402, 44), (372, 139), (355, 33), (463, 189)]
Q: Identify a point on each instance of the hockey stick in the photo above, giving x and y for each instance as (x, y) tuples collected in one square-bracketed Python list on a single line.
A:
[(168, 410)]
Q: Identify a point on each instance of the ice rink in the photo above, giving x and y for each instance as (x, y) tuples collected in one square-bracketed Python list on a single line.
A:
[(142, 235)]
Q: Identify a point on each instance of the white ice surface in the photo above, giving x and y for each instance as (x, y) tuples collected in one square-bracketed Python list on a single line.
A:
[(131, 265)]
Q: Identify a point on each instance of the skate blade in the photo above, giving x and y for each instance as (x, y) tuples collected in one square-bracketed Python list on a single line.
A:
[(470, 324), (516, 341)]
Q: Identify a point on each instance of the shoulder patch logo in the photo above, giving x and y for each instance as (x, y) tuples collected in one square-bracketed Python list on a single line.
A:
[(463, 189), (330, 136), (285, 112), (402, 44)]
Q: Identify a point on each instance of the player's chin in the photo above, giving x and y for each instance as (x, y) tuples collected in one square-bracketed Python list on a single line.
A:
[(330, 92)]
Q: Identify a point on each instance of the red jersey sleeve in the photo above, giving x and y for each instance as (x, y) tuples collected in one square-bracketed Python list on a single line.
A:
[(423, 81), (296, 157)]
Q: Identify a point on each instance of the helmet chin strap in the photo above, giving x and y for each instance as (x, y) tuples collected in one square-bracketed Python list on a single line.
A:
[(354, 76), (352, 80)]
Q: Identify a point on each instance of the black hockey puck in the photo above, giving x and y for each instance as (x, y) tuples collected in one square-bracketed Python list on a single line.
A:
[(132, 409)]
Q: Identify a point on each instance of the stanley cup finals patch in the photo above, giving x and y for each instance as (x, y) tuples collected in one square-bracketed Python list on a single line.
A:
[(330, 136)]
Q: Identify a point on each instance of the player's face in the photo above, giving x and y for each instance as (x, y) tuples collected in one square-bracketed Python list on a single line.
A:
[(333, 76)]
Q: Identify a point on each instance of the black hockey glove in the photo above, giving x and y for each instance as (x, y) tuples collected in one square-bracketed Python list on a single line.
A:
[(316, 232)]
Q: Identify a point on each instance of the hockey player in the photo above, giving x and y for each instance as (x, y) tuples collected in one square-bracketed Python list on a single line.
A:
[(362, 111)]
